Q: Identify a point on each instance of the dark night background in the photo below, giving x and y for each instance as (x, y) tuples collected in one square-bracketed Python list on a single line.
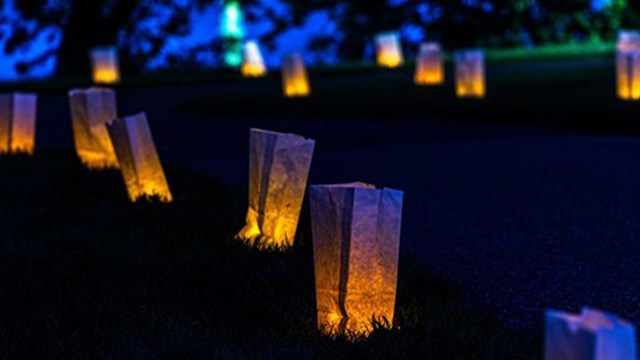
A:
[(519, 202)]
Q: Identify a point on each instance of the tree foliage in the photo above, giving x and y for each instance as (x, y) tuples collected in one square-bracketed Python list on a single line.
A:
[(84, 24)]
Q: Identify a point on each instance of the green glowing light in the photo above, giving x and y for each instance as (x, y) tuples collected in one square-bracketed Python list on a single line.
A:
[(232, 33)]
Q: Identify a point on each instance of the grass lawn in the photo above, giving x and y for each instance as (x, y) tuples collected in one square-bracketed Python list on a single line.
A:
[(85, 274)]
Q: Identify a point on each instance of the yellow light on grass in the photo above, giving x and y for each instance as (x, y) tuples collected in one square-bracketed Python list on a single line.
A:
[(294, 77), (356, 240), (139, 162), (18, 123), (469, 72)]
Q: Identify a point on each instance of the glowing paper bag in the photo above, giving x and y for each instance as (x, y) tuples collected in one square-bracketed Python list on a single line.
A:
[(278, 170), (628, 75), (294, 77), (356, 241), (389, 50), (628, 40), (470, 81), (590, 335), (252, 61), (18, 123), (628, 65), (91, 110), (106, 68), (139, 163), (429, 65)]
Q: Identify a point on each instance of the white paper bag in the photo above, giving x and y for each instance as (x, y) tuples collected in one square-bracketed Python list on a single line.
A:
[(295, 81), (356, 241), (429, 65), (91, 110), (252, 62), (106, 67), (590, 335), (389, 50), (469, 70), (278, 169), (18, 123), (139, 163)]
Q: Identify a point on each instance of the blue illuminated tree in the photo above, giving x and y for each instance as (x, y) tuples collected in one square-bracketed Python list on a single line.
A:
[(84, 24)]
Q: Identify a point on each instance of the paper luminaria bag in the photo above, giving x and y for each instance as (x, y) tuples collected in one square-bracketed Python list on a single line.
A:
[(91, 110), (252, 61), (628, 65), (356, 241), (429, 65), (18, 114), (139, 163), (106, 68), (294, 77), (278, 169), (590, 335), (389, 50), (469, 72)]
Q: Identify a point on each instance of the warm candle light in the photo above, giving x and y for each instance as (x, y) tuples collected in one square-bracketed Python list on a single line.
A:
[(18, 123), (429, 65), (106, 69), (469, 71), (389, 50), (356, 241), (139, 163), (294, 77), (278, 169), (628, 65), (252, 61), (91, 110)]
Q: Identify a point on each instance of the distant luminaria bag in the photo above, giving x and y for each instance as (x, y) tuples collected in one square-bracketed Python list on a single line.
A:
[(18, 123)]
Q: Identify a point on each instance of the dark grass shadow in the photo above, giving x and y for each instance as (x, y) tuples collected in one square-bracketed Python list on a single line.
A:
[(86, 274)]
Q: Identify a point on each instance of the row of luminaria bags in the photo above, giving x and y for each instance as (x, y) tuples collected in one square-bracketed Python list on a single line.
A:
[(429, 69), (355, 227)]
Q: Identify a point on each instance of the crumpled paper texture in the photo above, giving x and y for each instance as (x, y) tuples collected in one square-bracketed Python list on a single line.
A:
[(429, 65), (278, 170), (18, 123), (356, 242), (590, 335), (91, 110), (294, 77), (139, 162), (469, 70)]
